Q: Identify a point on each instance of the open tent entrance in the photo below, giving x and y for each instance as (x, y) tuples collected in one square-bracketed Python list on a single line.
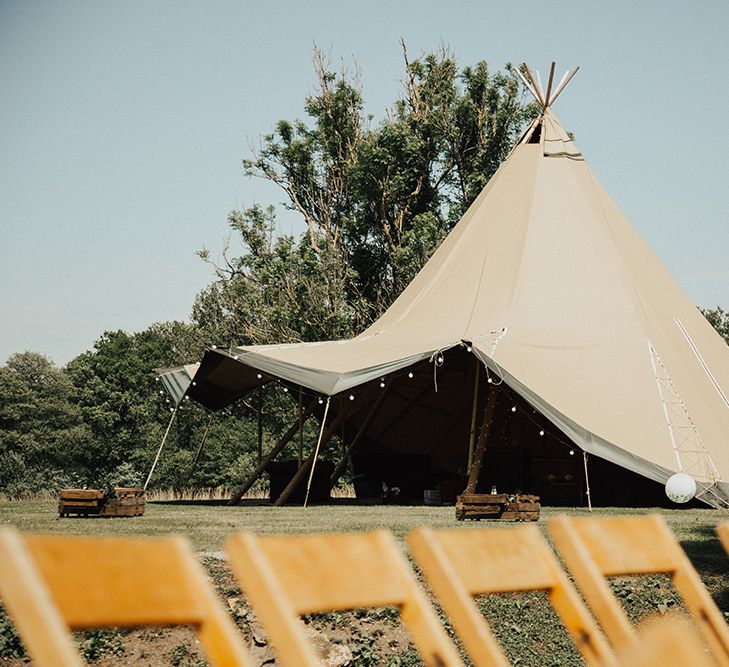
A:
[(419, 439)]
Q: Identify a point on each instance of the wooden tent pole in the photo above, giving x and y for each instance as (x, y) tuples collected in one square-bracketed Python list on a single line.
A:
[(318, 445), (549, 84), (235, 498), (304, 467), (540, 99), (474, 412), (587, 482), (362, 429), (162, 444), (202, 443), (301, 425), (260, 423), (527, 85), (565, 81), (488, 415)]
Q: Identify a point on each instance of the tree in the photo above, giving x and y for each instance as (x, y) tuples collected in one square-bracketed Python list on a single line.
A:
[(42, 434), (719, 319), (376, 199)]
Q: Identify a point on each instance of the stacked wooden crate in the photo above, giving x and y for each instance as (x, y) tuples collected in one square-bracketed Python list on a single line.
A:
[(497, 507), (93, 502)]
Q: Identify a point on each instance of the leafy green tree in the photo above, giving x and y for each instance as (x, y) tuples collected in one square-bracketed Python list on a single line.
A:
[(719, 319), (376, 199), (42, 434)]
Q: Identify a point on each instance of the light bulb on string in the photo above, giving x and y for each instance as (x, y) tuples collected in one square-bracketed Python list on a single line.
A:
[(259, 376), (572, 452), (321, 400), (491, 380), (541, 432), (410, 375), (469, 348), (235, 356), (172, 409), (286, 389), (187, 398), (513, 409), (161, 393), (194, 384), (351, 397), (214, 347), (382, 384)]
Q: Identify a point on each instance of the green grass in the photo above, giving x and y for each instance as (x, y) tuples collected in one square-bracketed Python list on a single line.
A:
[(524, 623), (208, 524)]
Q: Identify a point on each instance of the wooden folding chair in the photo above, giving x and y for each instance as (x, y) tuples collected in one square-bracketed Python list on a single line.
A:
[(460, 564), (54, 584), (285, 577), (594, 548), (666, 642), (722, 531)]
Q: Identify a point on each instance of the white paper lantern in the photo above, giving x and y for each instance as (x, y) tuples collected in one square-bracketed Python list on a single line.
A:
[(680, 488)]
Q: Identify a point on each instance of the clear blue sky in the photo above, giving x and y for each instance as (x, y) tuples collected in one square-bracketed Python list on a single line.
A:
[(123, 126)]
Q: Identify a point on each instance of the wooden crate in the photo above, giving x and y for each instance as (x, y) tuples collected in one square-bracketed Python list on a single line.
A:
[(93, 502), (497, 507)]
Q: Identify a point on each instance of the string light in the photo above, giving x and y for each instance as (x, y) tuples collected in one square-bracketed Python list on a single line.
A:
[(321, 400), (161, 393), (259, 376), (351, 397), (410, 375), (235, 356), (541, 432), (187, 398), (491, 380), (572, 452), (382, 383), (513, 409), (214, 347), (194, 384), (286, 389), (469, 348), (172, 409)]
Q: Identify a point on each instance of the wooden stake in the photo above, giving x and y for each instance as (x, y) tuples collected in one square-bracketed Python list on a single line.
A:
[(304, 467), (488, 415), (339, 469), (263, 465), (549, 84), (474, 411)]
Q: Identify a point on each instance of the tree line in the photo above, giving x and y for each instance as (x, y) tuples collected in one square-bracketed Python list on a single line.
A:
[(376, 197)]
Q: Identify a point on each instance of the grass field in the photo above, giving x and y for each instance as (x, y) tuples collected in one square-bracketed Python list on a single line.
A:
[(525, 624)]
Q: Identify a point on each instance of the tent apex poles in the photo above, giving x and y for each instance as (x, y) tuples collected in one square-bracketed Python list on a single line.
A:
[(161, 446)]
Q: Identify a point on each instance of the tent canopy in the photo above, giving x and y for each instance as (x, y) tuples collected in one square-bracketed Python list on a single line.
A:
[(545, 282)]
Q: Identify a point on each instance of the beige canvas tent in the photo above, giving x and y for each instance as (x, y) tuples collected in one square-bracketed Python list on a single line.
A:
[(544, 293)]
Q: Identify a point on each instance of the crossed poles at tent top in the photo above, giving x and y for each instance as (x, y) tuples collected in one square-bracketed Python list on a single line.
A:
[(534, 85)]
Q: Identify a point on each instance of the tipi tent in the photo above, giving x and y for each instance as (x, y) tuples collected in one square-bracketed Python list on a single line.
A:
[(542, 292)]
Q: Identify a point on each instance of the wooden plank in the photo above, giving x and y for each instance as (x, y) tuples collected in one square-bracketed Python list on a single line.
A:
[(85, 494)]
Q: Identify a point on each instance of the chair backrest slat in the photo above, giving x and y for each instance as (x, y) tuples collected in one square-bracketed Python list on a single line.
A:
[(460, 564), (109, 582), (284, 577), (594, 548)]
